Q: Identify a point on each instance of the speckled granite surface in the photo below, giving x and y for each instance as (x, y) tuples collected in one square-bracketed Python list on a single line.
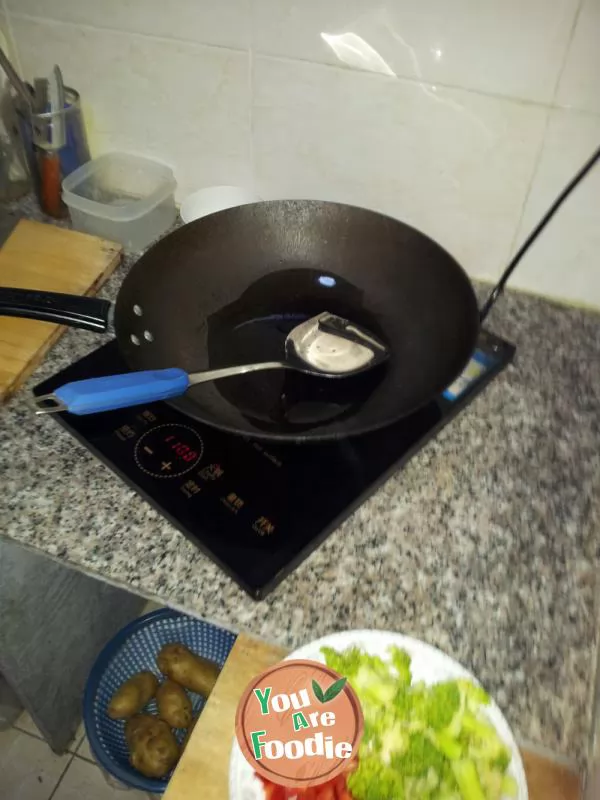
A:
[(487, 545)]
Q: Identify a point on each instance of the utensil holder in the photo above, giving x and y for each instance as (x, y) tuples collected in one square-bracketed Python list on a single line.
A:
[(48, 166)]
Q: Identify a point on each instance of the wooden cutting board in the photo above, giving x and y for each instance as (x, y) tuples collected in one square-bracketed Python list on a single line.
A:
[(203, 771), (38, 256)]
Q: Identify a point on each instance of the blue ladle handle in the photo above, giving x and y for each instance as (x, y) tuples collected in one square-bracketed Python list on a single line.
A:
[(134, 388), (115, 391)]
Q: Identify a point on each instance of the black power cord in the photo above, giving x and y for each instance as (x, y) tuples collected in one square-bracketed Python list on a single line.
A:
[(499, 287)]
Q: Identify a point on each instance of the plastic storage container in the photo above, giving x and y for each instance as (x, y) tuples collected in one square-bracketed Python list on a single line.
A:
[(122, 197)]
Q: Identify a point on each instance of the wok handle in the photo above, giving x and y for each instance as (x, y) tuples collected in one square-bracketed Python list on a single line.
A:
[(76, 311), (94, 395)]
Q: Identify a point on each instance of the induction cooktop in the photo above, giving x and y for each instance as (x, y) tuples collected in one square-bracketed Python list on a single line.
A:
[(257, 508)]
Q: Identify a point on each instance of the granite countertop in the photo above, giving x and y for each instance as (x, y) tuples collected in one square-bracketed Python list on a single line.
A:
[(487, 544)]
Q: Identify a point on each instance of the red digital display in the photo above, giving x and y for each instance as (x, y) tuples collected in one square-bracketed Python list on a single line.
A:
[(168, 451), (181, 449)]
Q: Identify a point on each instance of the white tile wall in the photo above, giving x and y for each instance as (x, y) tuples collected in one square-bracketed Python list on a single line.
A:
[(8, 43), (565, 262), (579, 86), (183, 103), (452, 163), (458, 133), (508, 47), (218, 22)]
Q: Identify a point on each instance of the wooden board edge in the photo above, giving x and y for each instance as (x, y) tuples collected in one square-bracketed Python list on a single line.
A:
[(9, 391), (34, 225), (553, 780), (219, 713)]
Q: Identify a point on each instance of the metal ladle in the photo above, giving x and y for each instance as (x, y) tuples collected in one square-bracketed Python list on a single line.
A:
[(326, 345)]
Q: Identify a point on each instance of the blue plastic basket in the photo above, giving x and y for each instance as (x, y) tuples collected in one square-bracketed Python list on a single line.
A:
[(132, 650)]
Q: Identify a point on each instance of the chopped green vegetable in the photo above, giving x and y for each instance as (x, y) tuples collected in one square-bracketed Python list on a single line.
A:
[(421, 742), (401, 663), (509, 787), (467, 779), (419, 757), (446, 744), (374, 781), (369, 676)]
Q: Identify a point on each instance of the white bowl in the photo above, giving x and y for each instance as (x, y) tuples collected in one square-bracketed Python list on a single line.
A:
[(215, 198)]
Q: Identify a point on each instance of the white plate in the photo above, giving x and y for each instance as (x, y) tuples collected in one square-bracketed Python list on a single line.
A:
[(428, 664)]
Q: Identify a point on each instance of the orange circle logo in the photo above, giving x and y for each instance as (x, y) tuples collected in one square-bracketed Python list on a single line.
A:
[(299, 724)]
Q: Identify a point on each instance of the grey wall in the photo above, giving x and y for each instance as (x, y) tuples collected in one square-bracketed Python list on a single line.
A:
[(53, 623)]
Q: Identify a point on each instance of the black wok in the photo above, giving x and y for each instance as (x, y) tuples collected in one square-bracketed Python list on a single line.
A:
[(227, 289)]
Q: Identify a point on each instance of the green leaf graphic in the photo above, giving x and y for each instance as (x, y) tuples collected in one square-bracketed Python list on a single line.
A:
[(334, 690), (318, 692)]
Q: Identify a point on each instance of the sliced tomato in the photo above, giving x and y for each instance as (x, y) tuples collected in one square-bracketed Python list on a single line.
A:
[(327, 791), (335, 789), (272, 791), (277, 793), (297, 794)]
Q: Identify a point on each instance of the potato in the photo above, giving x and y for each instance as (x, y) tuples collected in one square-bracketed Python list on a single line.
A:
[(142, 726), (132, 695), (155, 757), (187, 669), (153, 748), (174, 706)]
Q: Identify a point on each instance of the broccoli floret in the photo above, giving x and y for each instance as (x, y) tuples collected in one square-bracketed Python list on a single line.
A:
[(401, 663), (484, 744), (491, 782), (477, 727), (448, 783), (428, 706), (394, 740), (375, 781), (501, 762), (345, 662), (369, 676), (474, 694), (496, 785), (371, 687), (446, 793), (472, 697), (369, 742), (418, 701), (422, 788), (350, 661), (443, 702), (419, 757), (402, 703)]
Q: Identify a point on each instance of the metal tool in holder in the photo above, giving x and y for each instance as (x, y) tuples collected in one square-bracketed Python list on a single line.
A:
[(53, 134)]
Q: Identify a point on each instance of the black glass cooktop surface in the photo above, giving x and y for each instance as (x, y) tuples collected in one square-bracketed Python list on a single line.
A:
[(256, 508)]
